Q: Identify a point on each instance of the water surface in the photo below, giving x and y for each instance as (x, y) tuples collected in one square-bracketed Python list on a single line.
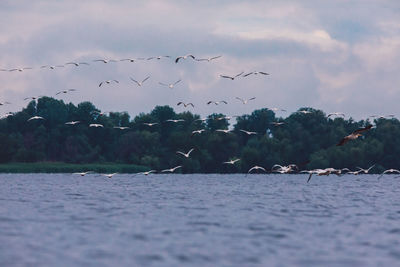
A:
[(199, 220)]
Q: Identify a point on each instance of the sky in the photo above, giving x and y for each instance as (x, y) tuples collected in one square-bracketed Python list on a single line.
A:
[(337, 56)]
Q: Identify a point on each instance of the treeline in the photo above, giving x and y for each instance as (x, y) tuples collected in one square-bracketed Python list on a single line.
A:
[(308, 140)]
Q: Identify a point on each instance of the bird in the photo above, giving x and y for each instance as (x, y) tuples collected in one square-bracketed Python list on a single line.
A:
[(185, 104), (158, 57), (35, 118), (231, 77), (256, 168), (223, 118), (147, 172), (244, 101), (6, 115), (150, 123), (96, 125), (197, 131), (223, 130), (388, 171), (105, 60), (140, 83), (174, 121), (110, 175), (21, 69), (5, 103), (231, 162), (108, 82), (247, 132), (121, 127), (128, 59), (284, 169), (186, 155), (32, 97), (66, 91), (354, 135), (184, 57), (365, 171), (277, 123), (72, 122), (217, 102), (208, 59), (171, 85), (82, 173), (172, 169), (77, 64), (304, 111), (255, 73), (337, 114), (321, 172), (277, 109), (382, 116), (52, 67)]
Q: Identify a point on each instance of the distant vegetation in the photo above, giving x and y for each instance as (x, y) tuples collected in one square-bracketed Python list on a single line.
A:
[(308, 140)]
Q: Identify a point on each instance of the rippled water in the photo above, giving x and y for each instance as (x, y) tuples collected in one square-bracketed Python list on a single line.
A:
[(199, 220)]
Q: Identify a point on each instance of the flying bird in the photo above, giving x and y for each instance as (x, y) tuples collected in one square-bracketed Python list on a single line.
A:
[(128, 59), (52, 67), (150, 124), (96, 125), (337, 114), (304, 111), (5, 103), (247, 132), (184, 57), (35, 118), (158, 57), (82, 173), (256, 168), (110, 175), (174, 121), (21, 69), (277, 109), (354, 135), (207, 59), (186, 155), (105, 61), (185, 104), (147, 172), (140, 83), (66, 91), (6, 115), (255, 73), (77, 64), (197, 132), (388, 171), (108, 82), (217, 102), (278, 123), (172, 169), (121, 127), (365, 171), (244, 101), (223, 131), (72, 122), (231, 162), (171, 85), (231, 77)]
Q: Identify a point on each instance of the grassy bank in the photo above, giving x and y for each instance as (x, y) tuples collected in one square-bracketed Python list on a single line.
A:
[(60, 167)]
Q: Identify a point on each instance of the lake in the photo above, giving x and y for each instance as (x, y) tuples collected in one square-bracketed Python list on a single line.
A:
[(199, 220)]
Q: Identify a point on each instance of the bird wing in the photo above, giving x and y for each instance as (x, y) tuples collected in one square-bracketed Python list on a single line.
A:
[(146, 79), (191, 104), (247, 74), (251, 98), (226, 76), (240, 99), (309, 177), (343, 141), (163, 84), (179, 152), (101, 84), (368, 127), (223, 101), (177, 81), (264, 73), (177, 59), (135, 81), (237, 75), (190, 151)]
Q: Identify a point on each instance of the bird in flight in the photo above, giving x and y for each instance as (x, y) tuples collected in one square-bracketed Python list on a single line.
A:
[(128, 59), (150, 123), (108, 82), (35, 118), (82, 173), (337, 114), (217, 102), (277, 123), (247, 132), (171, 85), (77, 64), (96, 125), (184, 57), (186, 155), (110, 175), (231, 77), (365, 171), (244, 101), (121, 127), (256, 168), (304, 111), (140, 83), (52, 67), (146, 173), (158, 57), (197, 132), (21, 69), (388, 171), (277, 109), (105, 61), (6, 115), (231, 162), (174, 121), (354, 135), (172, 169), (66, 91), (207, 59), (72, 122), (5, 103), (185, 104), (255, 73)]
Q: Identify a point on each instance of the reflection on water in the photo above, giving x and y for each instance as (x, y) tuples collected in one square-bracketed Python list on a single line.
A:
[(197, 220)]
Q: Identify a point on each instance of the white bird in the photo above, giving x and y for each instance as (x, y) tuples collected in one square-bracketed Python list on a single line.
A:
[(277, 123), (231, 162), (184, 57), (217, 102), (110, 175), (247, 132), (77, 64), (172, 169), (256, 168), (337, 114), (388, 171), (158, 57), (52, 67), (140, 83), (223, 118), (304, 111), (105, 60), (150, 123), (121, 127), (66, 91), (175, 121), (96, 125), (201, 119), (128, 59), (244, 101), (277, 109), (82, 173), (186, 155), (365, 171), (223, 130), (72, 122), (20, 69), (231, 77), (147, 173), (108, 82), (208, 59), (6, 115), (255, 73), (197, 132), (185, 104), (35, 118), (171, 85)]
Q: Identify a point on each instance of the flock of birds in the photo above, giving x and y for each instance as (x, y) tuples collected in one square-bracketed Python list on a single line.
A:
[(292, 168)]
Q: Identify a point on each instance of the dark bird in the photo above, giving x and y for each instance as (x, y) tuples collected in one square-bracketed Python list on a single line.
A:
[(231, 77), (354, 135), (217, 102), (185, 104), (255, 73), (184, 57), (108, 82)]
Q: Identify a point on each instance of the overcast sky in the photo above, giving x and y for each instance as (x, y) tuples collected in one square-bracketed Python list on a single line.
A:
[(338, 55)]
